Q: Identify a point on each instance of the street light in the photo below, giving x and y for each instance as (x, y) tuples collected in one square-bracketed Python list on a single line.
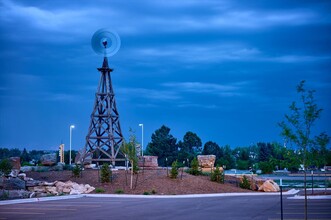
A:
[(71, 127), (142, 139)]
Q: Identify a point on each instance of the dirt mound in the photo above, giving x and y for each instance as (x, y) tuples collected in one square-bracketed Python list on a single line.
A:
[(151, 181)]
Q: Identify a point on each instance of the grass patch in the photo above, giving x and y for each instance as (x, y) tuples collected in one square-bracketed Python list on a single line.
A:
[(119, 191), (100, 190)]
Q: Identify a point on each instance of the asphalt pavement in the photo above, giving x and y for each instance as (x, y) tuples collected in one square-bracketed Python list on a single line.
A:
[(238, 206)]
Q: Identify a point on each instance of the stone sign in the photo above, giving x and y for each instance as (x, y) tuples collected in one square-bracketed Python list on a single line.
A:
[(206, 161), (147, 161)]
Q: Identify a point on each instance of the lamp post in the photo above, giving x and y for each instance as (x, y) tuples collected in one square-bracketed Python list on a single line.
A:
[(142, 139), (71, 127)]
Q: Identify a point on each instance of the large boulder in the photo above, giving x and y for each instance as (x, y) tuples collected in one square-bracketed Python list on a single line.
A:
[(26, 169), (48, 159), (15, 162), (13, 184), (58, 167), (269, 186), (41, 168), (81, 155), (206, 161), (14, 194), (147, 161)]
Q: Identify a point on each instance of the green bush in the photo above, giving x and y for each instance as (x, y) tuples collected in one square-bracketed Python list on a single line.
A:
[(174, 170), (119, 191), (27, 164), (266, 167), (5, 167), (146, 193), (217, 175), (245, 184), (100, 190), (76, 171), (4, 195), (106, 173), (194, 170)]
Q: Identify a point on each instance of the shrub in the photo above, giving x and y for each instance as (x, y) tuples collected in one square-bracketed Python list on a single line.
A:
[(174, 170), (194, 170), (100, 190), (146, 193), (76, 171), (4, 195), (217, 175), (119, 191), (245, 184), (26, 164), (106, 173), (153, 191), (266, 167), (5, 167)]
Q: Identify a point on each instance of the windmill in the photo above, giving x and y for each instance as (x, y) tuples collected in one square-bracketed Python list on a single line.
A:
[(104, 137)]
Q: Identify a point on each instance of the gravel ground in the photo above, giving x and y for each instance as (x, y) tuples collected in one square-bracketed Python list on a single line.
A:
[(151, 181)]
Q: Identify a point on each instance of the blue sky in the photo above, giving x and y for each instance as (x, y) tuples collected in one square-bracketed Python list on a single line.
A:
[(226, 70)]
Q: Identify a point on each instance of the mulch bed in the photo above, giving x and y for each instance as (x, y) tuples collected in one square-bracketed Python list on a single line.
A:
[(149, 181)]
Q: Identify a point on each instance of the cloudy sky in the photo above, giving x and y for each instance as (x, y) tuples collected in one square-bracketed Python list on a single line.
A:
[(226, 70)]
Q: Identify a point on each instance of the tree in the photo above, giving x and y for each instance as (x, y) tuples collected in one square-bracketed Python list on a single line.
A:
[(129, 150), (25, 157), (5, 167), (212, 148), (195, 170), (265, 151), (174, 170), (227, 159), (298, 124), (106, 173), (163, 145), (189, 147)]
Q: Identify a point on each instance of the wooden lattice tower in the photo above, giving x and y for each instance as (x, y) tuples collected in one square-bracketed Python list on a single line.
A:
[(104, 138)]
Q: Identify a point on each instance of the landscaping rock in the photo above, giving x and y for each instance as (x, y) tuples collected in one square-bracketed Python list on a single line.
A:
[(22, 176), (269, 186), (31, 183), (26, 169), (15, 162), (13, 183), (206, 161), (58, 188), (14, 194), (48, 159), (14, 173), (150, 161), (41, 168), (58, 167)]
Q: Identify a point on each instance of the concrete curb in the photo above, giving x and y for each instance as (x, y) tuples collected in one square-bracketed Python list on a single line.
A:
[(17, 201), (41, 199), (290, 192)]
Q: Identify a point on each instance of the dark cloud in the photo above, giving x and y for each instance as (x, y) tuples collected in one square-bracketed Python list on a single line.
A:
[(225, 69)]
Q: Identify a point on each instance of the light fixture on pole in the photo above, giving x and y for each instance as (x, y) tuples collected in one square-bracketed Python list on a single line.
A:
[(71, 127), (142, 139)]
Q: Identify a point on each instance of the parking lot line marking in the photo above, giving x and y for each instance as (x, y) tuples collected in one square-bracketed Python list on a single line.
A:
[(40, 208), (309, 213), (59, 205), (24, 213), (297, 219)]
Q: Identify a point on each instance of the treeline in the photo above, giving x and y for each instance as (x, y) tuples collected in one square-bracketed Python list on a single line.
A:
[(265, 156), (31, 157)]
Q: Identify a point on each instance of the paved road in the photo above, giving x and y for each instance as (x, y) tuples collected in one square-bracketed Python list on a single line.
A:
[(231, 207)]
